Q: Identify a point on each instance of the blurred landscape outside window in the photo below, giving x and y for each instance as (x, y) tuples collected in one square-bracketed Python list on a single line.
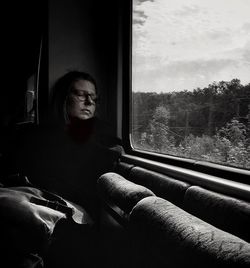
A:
[(191, 79)]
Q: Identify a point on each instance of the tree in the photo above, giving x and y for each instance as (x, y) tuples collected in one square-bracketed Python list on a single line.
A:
[(231, 144), (162, 139), (234, 131)]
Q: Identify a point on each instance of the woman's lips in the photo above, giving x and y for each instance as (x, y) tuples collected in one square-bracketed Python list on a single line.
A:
[(86, 111)]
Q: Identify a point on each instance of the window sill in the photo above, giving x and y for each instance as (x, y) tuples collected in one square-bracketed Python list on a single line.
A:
[(212, 182)]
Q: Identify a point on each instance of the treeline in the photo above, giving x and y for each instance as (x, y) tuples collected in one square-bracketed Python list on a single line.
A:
[(211, 123)]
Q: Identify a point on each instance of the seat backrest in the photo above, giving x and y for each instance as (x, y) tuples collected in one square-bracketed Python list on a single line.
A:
[(121, 192), (227, 213), (123, 169), (175, 238), (162, 185)]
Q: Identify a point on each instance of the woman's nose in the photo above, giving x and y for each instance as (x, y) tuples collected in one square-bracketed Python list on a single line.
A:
[(88, 100)]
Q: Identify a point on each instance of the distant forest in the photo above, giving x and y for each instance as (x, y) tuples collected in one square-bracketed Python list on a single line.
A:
[(211, 123)]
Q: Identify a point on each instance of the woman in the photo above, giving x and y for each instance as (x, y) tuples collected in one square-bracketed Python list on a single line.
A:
[(69, 154), (66, 157)]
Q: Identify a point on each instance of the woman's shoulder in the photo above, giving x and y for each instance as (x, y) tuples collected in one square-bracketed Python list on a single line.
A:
[(105, 133)]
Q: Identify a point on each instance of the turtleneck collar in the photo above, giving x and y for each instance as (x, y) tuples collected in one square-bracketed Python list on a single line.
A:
[(81, 130)]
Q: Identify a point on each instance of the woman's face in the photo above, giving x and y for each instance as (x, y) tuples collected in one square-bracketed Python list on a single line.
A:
[(81, 102)]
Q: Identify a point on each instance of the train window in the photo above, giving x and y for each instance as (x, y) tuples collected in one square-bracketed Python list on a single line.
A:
[(190, 79), (28, 101)]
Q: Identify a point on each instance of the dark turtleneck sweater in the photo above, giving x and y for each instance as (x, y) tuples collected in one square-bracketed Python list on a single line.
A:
[(67, 161)]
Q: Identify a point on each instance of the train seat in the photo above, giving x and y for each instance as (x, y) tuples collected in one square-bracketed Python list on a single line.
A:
[(121, 192), (171, 237), (123, 168), (225, 212), (171, 223), (162, 185)]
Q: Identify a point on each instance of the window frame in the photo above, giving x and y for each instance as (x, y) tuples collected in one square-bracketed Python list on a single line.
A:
[(220, 171)]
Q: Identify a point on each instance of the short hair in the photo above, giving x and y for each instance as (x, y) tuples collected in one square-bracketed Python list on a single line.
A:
[(61, 90)]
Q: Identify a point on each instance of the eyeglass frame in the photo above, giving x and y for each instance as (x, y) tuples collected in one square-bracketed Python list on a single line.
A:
[(83, 96)]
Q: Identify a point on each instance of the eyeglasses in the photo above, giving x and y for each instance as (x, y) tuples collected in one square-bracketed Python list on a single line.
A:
[(83, 95)]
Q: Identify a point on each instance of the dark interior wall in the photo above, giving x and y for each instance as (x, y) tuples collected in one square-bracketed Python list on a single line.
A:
[(21, 26), (82, 35), (78, 34)]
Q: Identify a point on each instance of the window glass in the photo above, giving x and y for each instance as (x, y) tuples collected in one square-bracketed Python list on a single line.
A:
[(30, 100), (191, 79)]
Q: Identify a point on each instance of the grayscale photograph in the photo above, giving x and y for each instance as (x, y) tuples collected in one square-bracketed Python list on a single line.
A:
[(125, 134)]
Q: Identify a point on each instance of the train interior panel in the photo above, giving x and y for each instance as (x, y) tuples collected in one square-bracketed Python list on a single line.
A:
[(125, 134)]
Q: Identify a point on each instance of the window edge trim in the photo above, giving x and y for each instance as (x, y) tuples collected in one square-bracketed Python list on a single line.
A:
[(211, 182)]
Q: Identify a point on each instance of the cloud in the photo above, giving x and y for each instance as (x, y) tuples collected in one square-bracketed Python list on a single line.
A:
[(139, 17), (138, 2), (185, 69), (246, 56), (178, 44), (198, 67), (246, 28), (188, 75), (187, 11)]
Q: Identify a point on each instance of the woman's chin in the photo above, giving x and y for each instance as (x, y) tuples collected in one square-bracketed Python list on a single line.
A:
[(84, 116)]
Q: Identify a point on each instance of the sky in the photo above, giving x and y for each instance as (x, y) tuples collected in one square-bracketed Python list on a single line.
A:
[(185, 44)]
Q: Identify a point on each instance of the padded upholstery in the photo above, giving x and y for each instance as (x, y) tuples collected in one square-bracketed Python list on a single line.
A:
[(227, 213), (123, 169), (123, 193), (179, 239), (162, 185)]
